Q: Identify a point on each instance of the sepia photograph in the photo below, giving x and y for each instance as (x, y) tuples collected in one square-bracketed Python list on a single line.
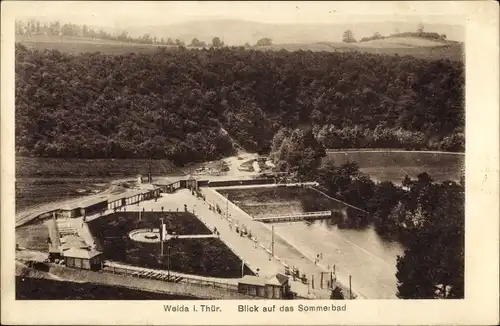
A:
[(250, 151)]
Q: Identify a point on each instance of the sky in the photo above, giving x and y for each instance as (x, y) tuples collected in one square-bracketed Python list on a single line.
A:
[(144, 13)]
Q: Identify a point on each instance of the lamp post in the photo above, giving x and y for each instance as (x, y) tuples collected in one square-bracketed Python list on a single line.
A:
[(168, 260)]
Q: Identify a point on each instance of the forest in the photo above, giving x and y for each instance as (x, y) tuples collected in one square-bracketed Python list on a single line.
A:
[(427, 217), (187, 104)]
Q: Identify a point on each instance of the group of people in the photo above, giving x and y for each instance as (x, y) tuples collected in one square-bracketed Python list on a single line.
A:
[(318, 258)]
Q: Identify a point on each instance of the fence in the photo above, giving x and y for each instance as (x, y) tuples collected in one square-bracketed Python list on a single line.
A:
[(229, 183), (230, 285)]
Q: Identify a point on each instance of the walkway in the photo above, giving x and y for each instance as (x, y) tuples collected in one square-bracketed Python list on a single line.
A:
[(192, 236), (283, 250)]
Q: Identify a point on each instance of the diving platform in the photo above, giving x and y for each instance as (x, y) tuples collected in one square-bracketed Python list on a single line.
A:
[(309, 216)]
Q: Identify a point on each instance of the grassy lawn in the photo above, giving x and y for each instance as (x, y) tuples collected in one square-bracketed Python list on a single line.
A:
[(79, 45), (119, 223), (43, 289), (33, 236), (393, 166), (207, 257)]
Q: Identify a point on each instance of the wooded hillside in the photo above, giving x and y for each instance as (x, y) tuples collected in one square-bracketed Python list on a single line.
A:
[(178, 104)]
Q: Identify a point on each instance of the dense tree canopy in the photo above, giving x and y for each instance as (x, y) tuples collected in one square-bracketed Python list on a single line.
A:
[(174, 103)]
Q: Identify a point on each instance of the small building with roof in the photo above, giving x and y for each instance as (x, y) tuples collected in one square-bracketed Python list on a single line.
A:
[(169, 186), (83, 258), (275, 287), (85, 207)]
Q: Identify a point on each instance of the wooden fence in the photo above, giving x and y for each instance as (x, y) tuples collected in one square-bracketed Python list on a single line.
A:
[(172, 277)]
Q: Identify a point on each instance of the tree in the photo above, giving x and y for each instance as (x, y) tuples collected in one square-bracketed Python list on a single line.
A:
[(264, 42), (217, 43), (302, 152), (337, 294), (376, 36), (195, 42), (348, 37), (420, 28), (433, 263)]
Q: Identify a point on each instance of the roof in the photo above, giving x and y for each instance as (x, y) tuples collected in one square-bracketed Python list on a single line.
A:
[(72, 241), (278, 279), (85, 203), (253, 280), (165, 182), (128, 194), (81, 253)]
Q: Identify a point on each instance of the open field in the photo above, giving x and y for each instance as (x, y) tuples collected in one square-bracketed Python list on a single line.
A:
[(33, 236), (417, 47), (42, 180), (89, 168), (404, 41), (44, 289), (453, 52), (200, 256), (394, 165), (77, 44)]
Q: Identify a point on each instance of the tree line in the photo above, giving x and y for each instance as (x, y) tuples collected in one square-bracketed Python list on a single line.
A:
[(425, 216), (35, 27)]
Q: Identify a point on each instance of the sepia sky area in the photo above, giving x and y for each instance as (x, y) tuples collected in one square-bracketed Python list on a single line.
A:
[(123, 14)]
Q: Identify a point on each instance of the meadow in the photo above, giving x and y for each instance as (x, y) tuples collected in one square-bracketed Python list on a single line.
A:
[(42, 180), (44, 289), (78, 45), (409, 46), (202, 256), (453, 52), (395, 165), (33, 236)]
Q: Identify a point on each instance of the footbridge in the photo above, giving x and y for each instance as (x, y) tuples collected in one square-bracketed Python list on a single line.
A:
[(309, 216)]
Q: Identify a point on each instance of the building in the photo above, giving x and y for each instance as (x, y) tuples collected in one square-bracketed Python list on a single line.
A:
[(169, 186), (275, 287), (252, 285), (83, 258), (132, 197), (116, 201), (278, 287), (86, 207)]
